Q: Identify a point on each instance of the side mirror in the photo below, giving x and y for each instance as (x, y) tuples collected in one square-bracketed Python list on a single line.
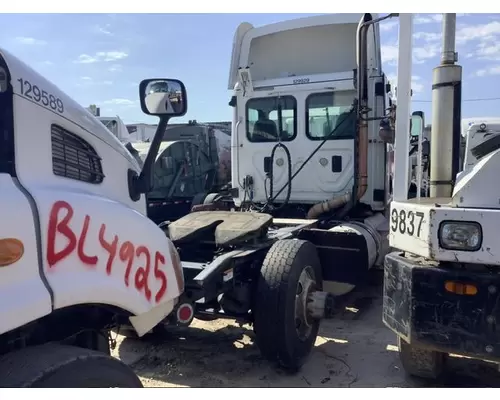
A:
[(163, 97), (417, 124)]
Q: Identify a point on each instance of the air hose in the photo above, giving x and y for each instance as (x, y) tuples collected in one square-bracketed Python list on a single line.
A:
[(270, 198), (288, 184)]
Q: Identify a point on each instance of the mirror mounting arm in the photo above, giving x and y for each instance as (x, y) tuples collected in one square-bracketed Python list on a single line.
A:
[(144, 181)]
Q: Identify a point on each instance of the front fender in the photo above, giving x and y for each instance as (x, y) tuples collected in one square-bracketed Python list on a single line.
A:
[(96, 250)]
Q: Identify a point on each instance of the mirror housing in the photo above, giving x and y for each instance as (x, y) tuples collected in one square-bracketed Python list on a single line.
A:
[(163, 97), (386, 131)]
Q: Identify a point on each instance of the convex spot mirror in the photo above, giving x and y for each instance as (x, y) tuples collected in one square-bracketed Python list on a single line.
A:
[(163, 97), (417, 124)]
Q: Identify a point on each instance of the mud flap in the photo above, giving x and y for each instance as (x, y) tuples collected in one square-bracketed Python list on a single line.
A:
[(417, 307), (143, 323)]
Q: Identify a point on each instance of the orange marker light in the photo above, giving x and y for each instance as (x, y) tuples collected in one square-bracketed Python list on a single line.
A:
[(11, 250), (460, 288)]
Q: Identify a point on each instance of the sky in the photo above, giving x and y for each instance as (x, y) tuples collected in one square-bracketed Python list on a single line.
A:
[(101, 58)]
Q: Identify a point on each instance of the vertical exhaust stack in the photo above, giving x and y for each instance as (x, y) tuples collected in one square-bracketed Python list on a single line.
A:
[(446, 102)]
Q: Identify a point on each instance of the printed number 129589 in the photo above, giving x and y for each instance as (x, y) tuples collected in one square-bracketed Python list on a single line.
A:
[(33, 92)]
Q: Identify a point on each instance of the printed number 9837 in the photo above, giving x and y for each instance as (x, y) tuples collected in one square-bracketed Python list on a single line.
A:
[(406, 222)]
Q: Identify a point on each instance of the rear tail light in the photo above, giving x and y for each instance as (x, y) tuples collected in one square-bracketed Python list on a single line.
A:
[(185, 314)]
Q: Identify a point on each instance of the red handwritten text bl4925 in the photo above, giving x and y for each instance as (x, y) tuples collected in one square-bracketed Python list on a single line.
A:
[(139, 263)]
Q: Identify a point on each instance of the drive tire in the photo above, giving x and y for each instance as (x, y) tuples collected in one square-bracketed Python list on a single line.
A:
[(422, 363), (274, 307), (59, 366)]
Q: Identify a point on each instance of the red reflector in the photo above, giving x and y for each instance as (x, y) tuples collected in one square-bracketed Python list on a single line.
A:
[(185, 313)]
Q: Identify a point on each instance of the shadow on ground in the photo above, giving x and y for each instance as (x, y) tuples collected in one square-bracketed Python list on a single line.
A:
[(354, 349)]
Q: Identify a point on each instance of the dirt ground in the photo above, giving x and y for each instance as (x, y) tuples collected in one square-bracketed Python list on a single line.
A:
[(354, 349)]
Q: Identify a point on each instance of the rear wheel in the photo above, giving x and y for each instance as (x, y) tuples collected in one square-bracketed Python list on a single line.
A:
[(284, 329), (422, 363), (58, 366)]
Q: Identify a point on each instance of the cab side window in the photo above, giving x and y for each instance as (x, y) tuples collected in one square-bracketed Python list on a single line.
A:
[(329, 115), (271, 119)]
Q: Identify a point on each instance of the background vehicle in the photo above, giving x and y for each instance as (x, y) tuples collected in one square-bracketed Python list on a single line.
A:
[(70, 266), (309, 182), (193, 160), (441, 282)]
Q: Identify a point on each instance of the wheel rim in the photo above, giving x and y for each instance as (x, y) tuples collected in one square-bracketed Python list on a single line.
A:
[(305, 286)]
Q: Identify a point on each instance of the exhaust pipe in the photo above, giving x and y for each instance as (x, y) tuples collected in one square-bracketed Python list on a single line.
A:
[(361, 169), (446, 100), (361, 155)]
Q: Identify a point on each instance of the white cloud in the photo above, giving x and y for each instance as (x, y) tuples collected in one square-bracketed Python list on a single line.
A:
[(420, 19), (120, 102), (481, 32), (427, 36), (488, 50), (30, 41), (432, 18), (420, 54), (101, 56), (416, 84), (389, 25), (115, 68), (111, 55), (88, 81), (482, 41), (103, 30), (86, 59), (389, 53), (494, 70), (427, 18)]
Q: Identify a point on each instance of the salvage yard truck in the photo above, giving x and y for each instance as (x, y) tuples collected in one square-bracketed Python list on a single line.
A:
[(305, 217), (441, 282), (71, 267)]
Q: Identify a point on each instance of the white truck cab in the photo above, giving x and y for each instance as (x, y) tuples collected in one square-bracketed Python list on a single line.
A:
[(295, 84), (77, 251)]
